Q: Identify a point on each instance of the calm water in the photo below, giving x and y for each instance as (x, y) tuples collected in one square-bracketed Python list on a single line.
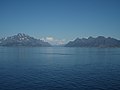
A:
[(54, 68)]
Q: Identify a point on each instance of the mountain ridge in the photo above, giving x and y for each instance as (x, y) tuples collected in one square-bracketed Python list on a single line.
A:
[(99, 41), (22, 39)]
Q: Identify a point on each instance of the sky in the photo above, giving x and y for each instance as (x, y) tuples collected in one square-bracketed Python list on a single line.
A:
[(58, 21)]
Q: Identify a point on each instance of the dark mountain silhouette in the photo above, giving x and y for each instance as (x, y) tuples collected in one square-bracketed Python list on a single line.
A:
[(22, 40), (100, 41)]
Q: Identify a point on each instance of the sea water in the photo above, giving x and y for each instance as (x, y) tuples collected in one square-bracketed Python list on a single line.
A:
[(59, 68)]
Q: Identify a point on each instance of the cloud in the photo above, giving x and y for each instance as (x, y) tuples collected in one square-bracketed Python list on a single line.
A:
[(49, 38), (54, 41)]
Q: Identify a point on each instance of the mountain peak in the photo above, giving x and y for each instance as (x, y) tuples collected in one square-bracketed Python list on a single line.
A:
[(22, 39), (77, 39), (21, 34), (101, 37), (90, 37)]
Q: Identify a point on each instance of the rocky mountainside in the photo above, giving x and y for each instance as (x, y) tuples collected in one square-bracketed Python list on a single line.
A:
[(100, 41), (22, 40)]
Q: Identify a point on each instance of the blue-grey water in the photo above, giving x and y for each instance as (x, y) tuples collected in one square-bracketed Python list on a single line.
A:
[(59, 68)]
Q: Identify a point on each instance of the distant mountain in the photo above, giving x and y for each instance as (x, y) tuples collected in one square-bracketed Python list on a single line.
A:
[(100, 41), (22, 40)]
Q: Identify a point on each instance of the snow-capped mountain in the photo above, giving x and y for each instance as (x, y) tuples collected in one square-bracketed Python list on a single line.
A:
[(22, 40)]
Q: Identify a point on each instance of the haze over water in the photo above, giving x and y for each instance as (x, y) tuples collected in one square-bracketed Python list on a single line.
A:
[(59, 68)]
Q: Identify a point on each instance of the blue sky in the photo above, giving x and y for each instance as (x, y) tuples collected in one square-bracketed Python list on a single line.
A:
[(60, 20)]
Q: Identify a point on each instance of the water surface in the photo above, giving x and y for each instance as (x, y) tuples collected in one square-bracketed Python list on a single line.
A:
[(59, 68)]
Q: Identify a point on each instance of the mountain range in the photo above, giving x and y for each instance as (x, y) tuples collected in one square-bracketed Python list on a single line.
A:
[(22, 40), (99, 41)]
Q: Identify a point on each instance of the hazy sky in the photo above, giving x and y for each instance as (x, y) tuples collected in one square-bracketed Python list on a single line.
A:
[(61, 19)]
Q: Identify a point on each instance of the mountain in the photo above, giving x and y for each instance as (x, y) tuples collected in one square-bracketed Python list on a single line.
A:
[(22, 40), (99, 41)]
